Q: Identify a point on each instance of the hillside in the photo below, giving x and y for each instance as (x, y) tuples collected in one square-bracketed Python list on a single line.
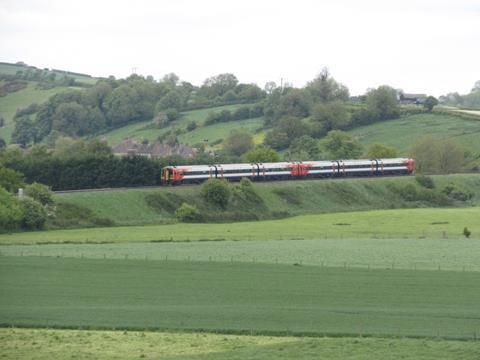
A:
[(403, 132), (279, 199)]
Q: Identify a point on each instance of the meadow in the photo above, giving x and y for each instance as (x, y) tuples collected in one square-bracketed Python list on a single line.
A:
[(53, 344), (402, 133), (388, 224), (21, 99), (237, 298)]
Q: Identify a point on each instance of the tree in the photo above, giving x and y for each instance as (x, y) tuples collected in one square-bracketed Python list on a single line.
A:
[(262, 154), (434, 156), (3, 144), (295, 102), (71, 119), (34, 215), (216, 192), (382, 103), (218, 85), (303, 148), (172, 100), (324, 88), (40, 193), (332, 115), (238, 142), (10, 212), (10, 180), (430, 102), (2, 121), (340, 145), (380, 151), (25, 131)]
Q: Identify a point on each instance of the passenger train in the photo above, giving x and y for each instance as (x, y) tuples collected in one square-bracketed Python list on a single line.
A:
[(187, 174)]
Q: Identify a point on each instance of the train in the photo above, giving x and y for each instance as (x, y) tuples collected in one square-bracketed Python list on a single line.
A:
[(194, 174)]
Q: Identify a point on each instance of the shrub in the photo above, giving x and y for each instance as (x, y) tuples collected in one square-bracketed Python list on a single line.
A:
[(216, 192), (10, 212), (40, 193), (192, 125), (456, 193), (409, 192), (186, 213), (34, 215), (466, 232), (247, 191), (425, 181)]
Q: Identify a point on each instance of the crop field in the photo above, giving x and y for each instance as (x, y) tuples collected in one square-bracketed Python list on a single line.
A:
[(237, 298), (146, 130), (20, 99), (54, 344), (388, 224), (402, 133), (426, 254)]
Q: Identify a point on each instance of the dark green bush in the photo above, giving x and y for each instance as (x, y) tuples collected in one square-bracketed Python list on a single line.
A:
[(216, 192), (456, 193), (425, 181), (34, 215), (40, 193)]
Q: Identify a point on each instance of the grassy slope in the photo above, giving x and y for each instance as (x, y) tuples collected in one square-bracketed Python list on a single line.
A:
[(62, 344), (11, 69), (402, 133), (21, 99), (145, 130), (391, 224), (237, 297), (289, 198)]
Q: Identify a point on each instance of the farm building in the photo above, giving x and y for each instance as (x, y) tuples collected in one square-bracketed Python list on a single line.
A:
[(412, 98)]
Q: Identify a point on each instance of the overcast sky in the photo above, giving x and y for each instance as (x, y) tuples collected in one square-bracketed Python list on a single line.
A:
[(428, 46)]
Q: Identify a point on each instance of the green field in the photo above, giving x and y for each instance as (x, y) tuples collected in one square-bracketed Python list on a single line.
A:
[(21, 99), (145, 129), (402, 133), (279, 199), (86, 344), (388, 224), (276, 299)]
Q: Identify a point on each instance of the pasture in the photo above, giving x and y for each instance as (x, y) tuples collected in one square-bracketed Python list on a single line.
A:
[(402, 133), (21, 99), (388, 224), (237, 298), (54, 344)]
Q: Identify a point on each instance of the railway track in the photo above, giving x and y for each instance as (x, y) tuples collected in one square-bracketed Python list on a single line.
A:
[(369, 178)]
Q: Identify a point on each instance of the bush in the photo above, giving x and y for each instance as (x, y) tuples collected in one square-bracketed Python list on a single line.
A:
[(10, 179), (247, 192), (192, 125), (456, 193), (425, 181), (40, 193), (466, 232), (216, 192), (187, 213), (34, 215), (10, 212)]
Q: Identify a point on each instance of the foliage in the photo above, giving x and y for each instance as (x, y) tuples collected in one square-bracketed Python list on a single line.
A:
[(238, 142), (10, 212), (285, 132), (261, 154), (40, 193), (331, 116), (3, 144), (10, 179), (438, 156), (216, 192), (430, 103), (187, 213), (466, 232), (425, 181), (380, 151), (34, 215), (324, 88), (340, 145), (382, 103), (303, 148), (457, 193)]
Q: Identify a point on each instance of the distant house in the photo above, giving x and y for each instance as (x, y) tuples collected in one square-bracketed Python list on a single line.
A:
[(133, 147), (417, 99)]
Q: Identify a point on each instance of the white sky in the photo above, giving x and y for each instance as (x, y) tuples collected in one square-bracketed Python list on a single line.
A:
[(430, 46)]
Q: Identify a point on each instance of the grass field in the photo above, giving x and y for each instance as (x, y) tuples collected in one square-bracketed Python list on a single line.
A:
[(426, 254), (402, 133), (20, 99), (276, 299), (281, 198), (65, 344), (390, 224), (145, 130), (11, 69)]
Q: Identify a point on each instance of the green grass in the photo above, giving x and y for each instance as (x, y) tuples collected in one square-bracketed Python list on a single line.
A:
[(259, 298), (64, 344), (146, 130), (391, 224), (426, 254), (404, 132), (278, 199), (21, 99)]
